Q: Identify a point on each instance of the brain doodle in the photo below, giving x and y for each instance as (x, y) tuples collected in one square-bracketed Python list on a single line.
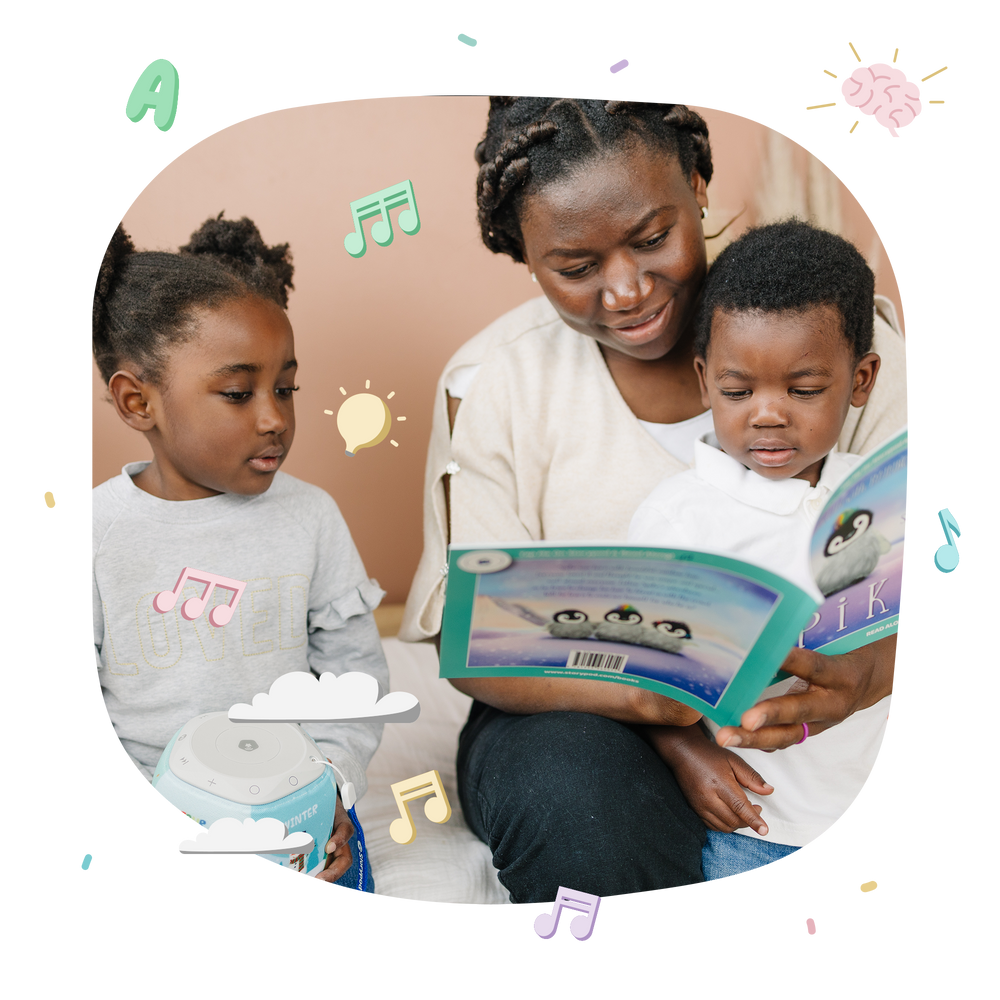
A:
[(884, 92)]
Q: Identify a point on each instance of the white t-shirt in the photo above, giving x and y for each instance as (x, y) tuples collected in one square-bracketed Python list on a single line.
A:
[(720, 504)]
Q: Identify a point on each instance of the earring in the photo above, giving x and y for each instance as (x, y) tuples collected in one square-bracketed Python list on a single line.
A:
[(704, 212), (533, 278)]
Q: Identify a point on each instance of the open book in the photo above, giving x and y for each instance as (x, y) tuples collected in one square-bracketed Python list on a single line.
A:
[(699, 627)]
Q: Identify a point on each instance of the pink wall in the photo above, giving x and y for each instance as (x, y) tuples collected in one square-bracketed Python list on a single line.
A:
[(395, 315)]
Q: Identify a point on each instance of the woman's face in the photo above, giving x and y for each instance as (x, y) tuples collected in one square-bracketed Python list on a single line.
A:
[(618, 249)]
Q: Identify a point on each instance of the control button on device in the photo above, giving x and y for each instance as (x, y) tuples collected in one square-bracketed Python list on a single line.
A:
[(254, 789), (248, 745), (293, 780)]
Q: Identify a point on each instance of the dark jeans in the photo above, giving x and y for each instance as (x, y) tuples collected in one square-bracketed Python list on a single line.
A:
[(574, 800)]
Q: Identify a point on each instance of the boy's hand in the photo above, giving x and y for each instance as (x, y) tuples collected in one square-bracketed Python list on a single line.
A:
[(338, 849), (838, 686), (711, 778)]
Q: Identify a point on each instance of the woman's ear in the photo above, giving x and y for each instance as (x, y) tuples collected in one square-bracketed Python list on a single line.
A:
[(700, 187), (699, 367), (865, 373), (131, 397)]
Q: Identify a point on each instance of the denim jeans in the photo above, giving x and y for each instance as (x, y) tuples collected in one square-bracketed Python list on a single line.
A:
[(732, 853), (575, 800)]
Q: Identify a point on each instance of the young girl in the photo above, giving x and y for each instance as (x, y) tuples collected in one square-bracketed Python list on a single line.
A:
[(198, 355)]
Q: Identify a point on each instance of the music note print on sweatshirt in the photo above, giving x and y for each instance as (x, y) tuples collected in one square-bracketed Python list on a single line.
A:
[(193, 607)]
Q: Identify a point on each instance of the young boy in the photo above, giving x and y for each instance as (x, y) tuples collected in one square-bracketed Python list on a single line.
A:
[(782, 351)]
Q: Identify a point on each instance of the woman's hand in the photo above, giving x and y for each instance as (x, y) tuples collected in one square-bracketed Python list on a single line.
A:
[(338, 850), (712, 779), (838, 686)]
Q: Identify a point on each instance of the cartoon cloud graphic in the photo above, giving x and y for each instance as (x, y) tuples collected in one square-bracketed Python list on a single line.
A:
[(300, 696), (262, 836)]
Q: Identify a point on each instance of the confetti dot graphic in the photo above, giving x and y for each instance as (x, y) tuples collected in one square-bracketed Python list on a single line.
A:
[(466, 40), (50, 500), (868, 886), (86, 861), (811, 925), (618, 66)]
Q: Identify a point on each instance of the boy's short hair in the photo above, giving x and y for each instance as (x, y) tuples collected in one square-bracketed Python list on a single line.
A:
[(791, 265)]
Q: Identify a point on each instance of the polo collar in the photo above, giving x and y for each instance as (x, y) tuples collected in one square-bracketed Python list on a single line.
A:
[(779, 496)]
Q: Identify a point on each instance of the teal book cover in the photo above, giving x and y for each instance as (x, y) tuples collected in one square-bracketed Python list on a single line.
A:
[(699, 627)]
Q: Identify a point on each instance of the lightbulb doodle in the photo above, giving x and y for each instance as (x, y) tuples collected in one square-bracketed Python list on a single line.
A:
[(364, 420), (881, 91)]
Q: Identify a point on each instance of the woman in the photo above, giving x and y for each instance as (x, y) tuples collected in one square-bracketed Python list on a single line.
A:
[(554, 423)]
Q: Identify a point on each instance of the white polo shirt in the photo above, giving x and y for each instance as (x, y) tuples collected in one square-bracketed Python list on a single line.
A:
[(721, 505)]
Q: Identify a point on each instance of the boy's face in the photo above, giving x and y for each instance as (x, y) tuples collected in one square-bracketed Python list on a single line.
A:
[(780, 386)]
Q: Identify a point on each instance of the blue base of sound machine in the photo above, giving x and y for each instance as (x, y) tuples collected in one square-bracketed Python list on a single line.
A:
[(213, 768)]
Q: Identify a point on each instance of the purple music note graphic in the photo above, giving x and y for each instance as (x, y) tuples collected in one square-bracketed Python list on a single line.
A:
[(193, 607), (570, 899)]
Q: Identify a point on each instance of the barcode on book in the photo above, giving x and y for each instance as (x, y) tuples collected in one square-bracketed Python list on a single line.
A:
[(597, 661)]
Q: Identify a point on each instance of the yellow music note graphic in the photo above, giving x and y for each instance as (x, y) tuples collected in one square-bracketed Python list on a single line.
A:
[(436, 809)]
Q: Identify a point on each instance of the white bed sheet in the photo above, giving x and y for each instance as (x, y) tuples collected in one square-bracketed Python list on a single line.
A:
[(446, 863)]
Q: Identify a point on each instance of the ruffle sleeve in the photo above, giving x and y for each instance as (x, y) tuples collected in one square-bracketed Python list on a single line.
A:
[(360, 600)]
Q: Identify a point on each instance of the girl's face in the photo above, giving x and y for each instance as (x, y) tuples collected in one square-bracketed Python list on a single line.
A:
[(618, 249), (223, 420)]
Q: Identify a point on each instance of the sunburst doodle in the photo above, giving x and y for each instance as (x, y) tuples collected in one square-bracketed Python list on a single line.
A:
[(882, 91), (364, 420)]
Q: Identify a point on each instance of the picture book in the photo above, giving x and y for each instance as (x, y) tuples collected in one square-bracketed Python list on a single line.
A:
[(700, 627)]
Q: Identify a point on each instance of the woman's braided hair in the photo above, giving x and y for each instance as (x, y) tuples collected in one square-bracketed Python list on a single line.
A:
[(144, 301), (531, 141)]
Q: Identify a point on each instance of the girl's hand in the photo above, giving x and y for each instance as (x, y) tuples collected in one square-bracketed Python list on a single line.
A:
[(338, 849), (712, 779), (838, 686)]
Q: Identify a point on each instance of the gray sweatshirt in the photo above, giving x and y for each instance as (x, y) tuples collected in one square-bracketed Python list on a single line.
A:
[(307, 606)]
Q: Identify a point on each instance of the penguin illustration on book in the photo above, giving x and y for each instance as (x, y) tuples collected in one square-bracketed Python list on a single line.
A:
[(570, 624), (667, 635), (621, 624), (851, 552)]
